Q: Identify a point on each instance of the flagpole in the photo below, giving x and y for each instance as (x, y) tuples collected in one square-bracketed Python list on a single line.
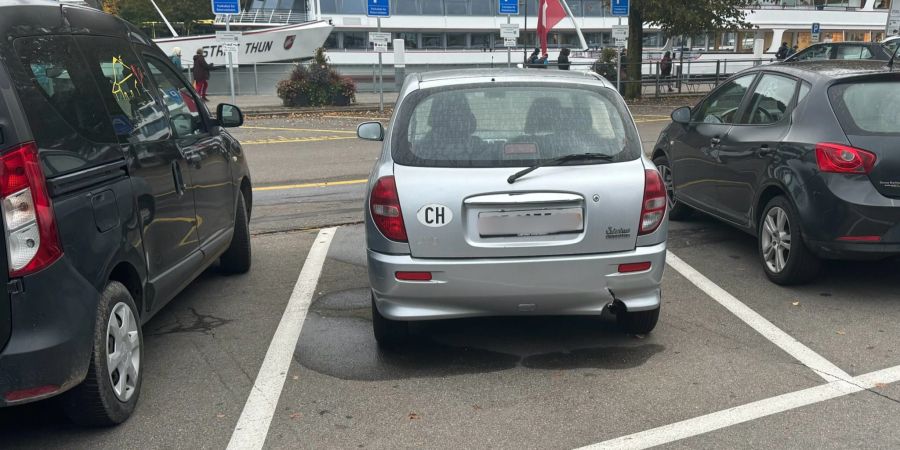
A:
[(526, 34), (584, 46)]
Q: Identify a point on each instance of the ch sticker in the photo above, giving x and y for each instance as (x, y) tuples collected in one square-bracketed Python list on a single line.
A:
[(434, 215)]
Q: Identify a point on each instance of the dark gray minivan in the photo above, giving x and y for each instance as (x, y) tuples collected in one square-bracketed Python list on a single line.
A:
[(117, 188)]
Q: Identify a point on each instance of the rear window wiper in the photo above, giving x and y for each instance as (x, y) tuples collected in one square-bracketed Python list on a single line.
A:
[(559, 161)]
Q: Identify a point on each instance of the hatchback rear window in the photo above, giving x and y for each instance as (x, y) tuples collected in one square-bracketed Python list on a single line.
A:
[(511, 125), (867, 108)]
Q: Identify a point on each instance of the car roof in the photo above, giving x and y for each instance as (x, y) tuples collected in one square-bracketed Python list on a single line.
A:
[(829, 69), (503, 74)]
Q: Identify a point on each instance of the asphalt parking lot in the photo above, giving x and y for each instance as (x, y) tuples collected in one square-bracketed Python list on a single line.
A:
[(284, 356)]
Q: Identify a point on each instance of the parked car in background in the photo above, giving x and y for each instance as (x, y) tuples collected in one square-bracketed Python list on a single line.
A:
[(117, 189), (843, 50), (801, 155), (512, 192)]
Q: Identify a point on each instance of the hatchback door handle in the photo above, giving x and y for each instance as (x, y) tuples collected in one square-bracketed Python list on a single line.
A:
[(715, 141)]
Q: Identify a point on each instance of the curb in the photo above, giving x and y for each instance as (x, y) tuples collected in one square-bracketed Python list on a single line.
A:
[(287, 111)]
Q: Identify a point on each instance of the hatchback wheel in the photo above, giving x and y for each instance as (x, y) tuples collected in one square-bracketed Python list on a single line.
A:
[(238, 257), (782, 250), (388, 333), (638, 322), (677, 211), (109, 393)]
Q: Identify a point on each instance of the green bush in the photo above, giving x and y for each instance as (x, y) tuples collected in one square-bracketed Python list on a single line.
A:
[(606, 65), (316, 84)]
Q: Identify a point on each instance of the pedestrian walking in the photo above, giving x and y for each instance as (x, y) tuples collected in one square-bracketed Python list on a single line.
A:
[(793, 50), (201, 74), (176, 58), (665, 70), (564, 59), (782, 52)]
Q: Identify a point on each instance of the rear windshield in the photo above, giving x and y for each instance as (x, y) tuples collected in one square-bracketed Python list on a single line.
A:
[(867, 108), (511, 125)]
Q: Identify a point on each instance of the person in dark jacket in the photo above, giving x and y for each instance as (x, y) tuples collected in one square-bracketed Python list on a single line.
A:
[(533, 59), (782, 52), (665, 69), (564, 59), (201, 74)]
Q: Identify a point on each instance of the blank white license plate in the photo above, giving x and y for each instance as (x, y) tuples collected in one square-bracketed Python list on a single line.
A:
[(537, 222)]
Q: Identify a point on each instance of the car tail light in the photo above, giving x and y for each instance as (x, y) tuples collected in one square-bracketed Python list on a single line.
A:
[(653, 210), (32, 241), (838, 158), (635, 267), (413, 276), (385, 206)]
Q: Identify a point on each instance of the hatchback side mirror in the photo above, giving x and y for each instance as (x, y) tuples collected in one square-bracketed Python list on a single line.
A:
[(370, 131), (230, 116), (682, 115)]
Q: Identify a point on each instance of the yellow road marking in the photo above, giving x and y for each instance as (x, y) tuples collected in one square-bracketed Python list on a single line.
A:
[(357, 117), (298, 129), (284, 140), (309, 185)]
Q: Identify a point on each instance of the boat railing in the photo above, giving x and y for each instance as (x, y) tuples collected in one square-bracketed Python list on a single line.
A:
[(266, 17)]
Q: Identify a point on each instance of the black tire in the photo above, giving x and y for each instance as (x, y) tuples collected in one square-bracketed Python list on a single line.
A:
[(802, 266), (388, 333), (94, 402), (677, 211), (238, 258), (638, 322)]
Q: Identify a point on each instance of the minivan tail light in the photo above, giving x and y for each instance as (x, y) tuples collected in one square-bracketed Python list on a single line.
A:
[(839, 158), (384, 204), (653, 209), (32, 240)]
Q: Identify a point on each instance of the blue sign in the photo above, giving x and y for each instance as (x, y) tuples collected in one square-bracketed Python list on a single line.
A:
[(226, 6), (509, 7), (379, 8), (816, 28), (621, 7)]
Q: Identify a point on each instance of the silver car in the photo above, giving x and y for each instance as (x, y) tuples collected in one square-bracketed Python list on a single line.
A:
[(512, 192)]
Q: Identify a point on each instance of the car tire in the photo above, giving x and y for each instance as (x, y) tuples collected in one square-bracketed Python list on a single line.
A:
[(638, 322), (100, 400), (677, 210), (796, 263), (238, 258), (388, 333)]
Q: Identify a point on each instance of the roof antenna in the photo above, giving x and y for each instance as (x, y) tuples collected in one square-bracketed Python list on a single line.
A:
[(893, 57)]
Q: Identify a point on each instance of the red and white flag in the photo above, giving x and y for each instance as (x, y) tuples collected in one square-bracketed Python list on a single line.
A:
[(550, 13)]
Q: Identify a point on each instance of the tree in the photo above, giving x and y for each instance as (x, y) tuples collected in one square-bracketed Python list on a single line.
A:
[(187, 12), (678, 17)]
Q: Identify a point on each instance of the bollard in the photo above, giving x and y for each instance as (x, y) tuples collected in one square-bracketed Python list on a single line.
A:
[(255, 80)]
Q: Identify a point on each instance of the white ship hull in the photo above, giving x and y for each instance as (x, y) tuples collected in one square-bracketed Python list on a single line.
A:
[(287, 43)]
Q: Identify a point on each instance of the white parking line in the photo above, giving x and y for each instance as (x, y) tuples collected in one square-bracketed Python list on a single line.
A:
[(751, 411), (793, 347), (253, 426)]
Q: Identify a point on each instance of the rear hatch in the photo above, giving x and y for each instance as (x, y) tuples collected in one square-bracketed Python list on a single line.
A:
[(869, 112), (461, 145)]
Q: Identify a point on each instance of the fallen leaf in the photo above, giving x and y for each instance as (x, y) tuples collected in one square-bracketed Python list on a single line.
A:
[(296, 416), (841, 332), (476, 407), (880, 385), (414, 416), (220, 415), (296, 377), (797, 303)]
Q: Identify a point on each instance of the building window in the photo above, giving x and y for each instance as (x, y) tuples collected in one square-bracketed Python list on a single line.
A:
[(457, 7), (483, 8), (355, 40), (595, 8), (432, 7), (353, 6), (329, 6), (432, 40), (410, 40), (331, 42), (457, 40), (481, 40), (406, 7)]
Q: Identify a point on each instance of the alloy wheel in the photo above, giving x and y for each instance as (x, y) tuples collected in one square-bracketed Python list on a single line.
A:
[(123, 351), (776, 239), (667, 180)]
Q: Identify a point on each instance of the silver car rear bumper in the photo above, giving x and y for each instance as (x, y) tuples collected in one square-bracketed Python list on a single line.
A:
[(564, 285)]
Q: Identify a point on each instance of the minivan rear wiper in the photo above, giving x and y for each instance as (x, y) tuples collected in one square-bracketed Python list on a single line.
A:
[(559, 161)]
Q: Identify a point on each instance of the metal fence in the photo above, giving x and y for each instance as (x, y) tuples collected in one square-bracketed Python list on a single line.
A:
[(688, 76)]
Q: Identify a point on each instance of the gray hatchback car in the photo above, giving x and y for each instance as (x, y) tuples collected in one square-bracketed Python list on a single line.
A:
[(512, 192)]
